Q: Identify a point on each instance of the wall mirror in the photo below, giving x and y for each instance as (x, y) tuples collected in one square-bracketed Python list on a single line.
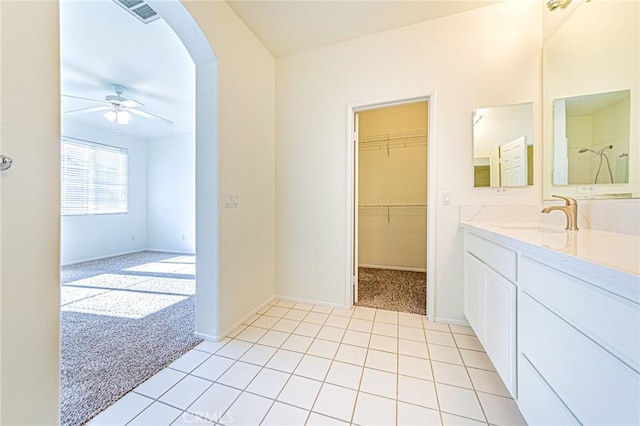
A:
[(503, 146), (591, 83), (591, 139)]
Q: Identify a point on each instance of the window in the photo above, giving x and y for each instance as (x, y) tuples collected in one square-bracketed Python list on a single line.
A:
[(94, 178)]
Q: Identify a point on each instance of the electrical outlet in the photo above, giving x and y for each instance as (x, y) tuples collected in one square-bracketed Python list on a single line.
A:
[(133, 238), (231, 200), (501, 191), (586, 189)]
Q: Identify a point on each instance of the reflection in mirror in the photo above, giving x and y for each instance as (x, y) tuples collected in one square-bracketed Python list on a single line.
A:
[(591, 103), (591, 139), (503, 146)]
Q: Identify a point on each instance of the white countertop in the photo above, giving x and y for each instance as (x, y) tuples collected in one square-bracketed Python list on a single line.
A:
[(620, 252)]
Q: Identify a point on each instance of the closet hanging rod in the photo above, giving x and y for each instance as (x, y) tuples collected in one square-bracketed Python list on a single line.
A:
[(389, 137), (396, 143)]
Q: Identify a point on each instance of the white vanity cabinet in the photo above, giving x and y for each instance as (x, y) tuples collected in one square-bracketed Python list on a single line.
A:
[(583, 340), (562, 332), (490, 303)]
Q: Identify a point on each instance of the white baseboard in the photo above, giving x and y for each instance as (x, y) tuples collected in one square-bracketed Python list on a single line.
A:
[(191, 253), (311, 302), (393, 268), (90, 259), (241, 321), (452, 321), (208, 337)]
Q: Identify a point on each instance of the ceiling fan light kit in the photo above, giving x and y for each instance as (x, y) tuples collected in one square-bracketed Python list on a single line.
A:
[(118, 109), (121, 117)]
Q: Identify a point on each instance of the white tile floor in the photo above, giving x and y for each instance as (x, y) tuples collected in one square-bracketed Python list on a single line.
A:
[(296, 364)]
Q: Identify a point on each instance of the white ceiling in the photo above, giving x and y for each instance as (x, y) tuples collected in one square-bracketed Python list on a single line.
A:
[(102, 44), (287, 27), (591, 104)]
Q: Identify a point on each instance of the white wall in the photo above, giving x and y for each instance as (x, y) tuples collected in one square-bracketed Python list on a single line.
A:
[(246, 117), (488, 56), (1, 224), (30, 227), (95, 236), (171, 193)]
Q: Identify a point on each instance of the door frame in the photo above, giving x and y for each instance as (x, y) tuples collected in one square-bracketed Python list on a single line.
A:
[(351, 193)]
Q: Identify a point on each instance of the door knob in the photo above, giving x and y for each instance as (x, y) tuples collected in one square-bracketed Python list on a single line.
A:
[(5, 162)]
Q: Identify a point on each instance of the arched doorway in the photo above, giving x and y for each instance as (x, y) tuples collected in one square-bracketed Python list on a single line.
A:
[(205, 142)]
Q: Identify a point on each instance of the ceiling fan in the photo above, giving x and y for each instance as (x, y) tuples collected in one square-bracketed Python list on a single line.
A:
[(118, 109)]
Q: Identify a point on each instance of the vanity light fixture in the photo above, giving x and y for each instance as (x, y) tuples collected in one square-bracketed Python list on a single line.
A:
[(554, 4)]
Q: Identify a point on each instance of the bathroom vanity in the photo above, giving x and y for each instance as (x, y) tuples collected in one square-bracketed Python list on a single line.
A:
[(558, 313)]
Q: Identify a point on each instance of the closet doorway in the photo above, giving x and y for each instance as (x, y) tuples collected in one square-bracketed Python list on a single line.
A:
[(390, 211)]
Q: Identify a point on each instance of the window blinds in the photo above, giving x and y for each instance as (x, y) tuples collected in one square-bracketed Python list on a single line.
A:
[(94, 178)]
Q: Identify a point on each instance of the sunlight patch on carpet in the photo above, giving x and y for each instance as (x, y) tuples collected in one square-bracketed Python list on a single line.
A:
[(124, 304), (180, 259), (161, 268), (70, 294), (111, 281), (167, 285)]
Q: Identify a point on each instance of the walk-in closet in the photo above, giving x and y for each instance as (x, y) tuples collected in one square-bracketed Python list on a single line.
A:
[(392, 207)]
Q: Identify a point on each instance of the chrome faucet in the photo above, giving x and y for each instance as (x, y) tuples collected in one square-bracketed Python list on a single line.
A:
[(570, 210)]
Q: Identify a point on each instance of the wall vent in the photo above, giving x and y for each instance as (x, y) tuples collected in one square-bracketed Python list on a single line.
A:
[(139, 9)]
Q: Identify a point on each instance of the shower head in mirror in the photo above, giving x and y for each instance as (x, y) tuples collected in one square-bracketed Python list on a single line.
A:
[(583, 150)]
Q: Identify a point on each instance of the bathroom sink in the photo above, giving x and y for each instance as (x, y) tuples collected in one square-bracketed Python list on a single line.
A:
[(531, 227)]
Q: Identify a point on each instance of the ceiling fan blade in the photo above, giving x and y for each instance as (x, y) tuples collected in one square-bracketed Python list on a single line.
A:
[(85, 110), (149, 115), (131, 103), (87, 99)]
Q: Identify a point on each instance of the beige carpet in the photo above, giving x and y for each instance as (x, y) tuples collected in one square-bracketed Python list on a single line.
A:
[(402, 291), (123, 319)]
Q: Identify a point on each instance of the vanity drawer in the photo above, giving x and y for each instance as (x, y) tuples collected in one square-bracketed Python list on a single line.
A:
[(595, 386), (611, 321), (500, 259), (537, 401)]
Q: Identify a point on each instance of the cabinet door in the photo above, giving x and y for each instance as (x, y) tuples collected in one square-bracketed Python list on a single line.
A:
[(499, 338), (473, 293), (596, 386), (537, 401)]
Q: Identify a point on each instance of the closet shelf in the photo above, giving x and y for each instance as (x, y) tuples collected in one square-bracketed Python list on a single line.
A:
[(393, 140), (370, 206), (392, 137), (389, 207)]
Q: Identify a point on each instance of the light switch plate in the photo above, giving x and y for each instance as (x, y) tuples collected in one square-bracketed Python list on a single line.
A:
[(446, 198)]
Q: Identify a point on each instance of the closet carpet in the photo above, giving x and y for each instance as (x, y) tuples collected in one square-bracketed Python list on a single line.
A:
[(123, 319), (402, 291)]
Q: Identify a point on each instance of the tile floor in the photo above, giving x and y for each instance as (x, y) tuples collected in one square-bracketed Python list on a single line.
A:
[(297, 364)]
